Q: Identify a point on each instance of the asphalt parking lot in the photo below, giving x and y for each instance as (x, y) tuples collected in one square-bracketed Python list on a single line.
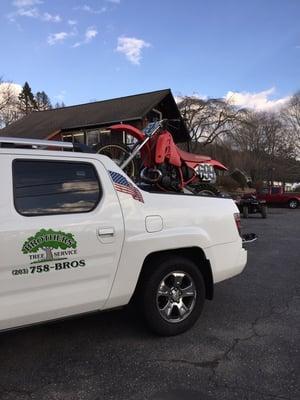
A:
[(245, 345)]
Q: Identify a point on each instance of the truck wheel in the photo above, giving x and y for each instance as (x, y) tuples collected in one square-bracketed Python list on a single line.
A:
[(293, 203), (173, 296), (245, 212), (264, 211)]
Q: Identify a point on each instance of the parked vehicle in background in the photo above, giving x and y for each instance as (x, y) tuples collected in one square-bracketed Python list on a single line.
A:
[(277, 195), (249, 204)]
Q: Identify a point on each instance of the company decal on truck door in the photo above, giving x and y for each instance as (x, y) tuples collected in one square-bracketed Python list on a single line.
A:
[(121, 184), (47, 251)]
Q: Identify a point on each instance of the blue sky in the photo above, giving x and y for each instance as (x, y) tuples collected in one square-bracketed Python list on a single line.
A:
[(83, 50)]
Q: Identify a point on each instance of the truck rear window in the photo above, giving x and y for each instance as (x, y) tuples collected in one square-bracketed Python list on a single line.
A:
[(55, 187)]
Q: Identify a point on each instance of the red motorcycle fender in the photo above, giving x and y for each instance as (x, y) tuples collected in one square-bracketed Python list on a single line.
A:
[(139, 135), (217, 165), (166, 148), (129, 129), (191, 164)]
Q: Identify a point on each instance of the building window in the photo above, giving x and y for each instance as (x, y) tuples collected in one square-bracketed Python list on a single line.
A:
[(78, 137), (93, 138), (97, 138), (55, 187)]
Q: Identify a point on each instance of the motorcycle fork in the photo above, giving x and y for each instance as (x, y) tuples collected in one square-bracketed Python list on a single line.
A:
[(188, 181)]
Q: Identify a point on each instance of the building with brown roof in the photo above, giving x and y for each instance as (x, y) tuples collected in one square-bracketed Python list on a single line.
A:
[(88, 123)]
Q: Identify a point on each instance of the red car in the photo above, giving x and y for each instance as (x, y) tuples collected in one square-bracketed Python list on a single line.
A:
[(276, 195)]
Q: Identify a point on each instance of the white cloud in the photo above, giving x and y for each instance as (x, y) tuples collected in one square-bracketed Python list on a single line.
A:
[(132, 48), (61, 95), (259, 101), (34, 13), (26, 3), (31, 12), (25, 8), (59, 37), (114, 1), (91, 10), (72, 22), (50, 17), (178, 98), (89, 35), (86, 8)]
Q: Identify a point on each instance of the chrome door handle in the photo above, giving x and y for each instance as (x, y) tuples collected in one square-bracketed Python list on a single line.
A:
[(106, 232)]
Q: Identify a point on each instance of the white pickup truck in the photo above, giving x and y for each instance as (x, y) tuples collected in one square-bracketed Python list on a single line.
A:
[(77, 235)]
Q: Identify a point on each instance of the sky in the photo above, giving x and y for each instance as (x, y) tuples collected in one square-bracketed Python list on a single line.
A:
[(85, 50)]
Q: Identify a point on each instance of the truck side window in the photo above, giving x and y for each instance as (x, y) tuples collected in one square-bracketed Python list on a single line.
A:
[(55, 187), (275, 190)]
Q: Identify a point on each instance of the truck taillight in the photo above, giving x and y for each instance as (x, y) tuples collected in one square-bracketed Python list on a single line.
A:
[(237, 219)]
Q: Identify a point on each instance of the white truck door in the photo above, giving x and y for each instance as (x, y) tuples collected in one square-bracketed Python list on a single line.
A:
[(61, 236)]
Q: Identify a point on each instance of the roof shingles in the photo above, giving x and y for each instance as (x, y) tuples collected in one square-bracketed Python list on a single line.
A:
[(42, 124)]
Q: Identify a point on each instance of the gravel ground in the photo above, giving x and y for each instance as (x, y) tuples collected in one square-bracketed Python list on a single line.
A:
[(245, 345)]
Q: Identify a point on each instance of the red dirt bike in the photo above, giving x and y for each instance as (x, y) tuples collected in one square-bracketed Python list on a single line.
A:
[(162, 163)]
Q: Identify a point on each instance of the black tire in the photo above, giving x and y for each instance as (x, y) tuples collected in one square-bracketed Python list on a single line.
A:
[(205, 189), (119, 153), (245, 212), (264, 211), (155, 305), (293, 204)]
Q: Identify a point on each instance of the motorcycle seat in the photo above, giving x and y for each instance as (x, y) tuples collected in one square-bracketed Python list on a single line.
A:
[(186, 156)]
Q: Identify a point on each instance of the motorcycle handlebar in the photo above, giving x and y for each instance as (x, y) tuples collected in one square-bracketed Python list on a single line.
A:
[(153, 127), (170, 120)]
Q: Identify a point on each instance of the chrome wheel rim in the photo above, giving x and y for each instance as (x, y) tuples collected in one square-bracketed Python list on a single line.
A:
[(293, 204), (176, 296)]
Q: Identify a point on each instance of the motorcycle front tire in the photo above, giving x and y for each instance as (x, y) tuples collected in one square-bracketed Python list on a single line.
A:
[(119, 153)]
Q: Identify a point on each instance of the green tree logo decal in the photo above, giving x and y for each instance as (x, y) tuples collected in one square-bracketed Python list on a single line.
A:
[(47, 240)]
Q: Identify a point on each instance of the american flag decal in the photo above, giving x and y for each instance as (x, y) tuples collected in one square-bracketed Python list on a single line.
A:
[(121, 184)]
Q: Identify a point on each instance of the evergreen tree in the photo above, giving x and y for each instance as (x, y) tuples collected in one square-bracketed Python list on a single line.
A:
[(27, 101), (42, 101)]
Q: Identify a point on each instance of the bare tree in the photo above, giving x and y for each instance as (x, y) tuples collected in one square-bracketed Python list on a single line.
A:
[(6, 94), (59, 105), (247, 136), (267, 149), (291, 117), (208, 120), (263, 132), (264, 145), (8, 103)]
